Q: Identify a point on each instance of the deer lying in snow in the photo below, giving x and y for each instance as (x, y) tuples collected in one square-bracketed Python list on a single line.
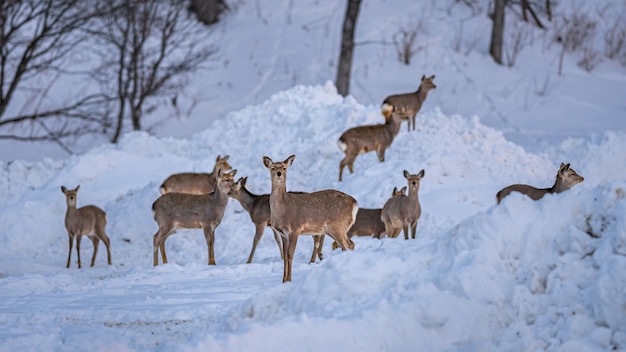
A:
[(409, 103), (87, 221), (363, 139), (258, 207), (402, 212), (191, 211), (566, 178), (195, 183), (323, 212)]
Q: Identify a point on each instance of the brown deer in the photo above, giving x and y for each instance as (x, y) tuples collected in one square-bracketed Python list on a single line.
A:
[(368, 221), (398, 192), (402, 212), (363, 139), (323, 212), (566, 178), (191, 211), (87, 221), (195, 183), (258, 207), (409, 103)]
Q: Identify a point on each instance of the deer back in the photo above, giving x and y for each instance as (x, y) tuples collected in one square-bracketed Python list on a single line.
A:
[(194, 210), (366, 138), (412, 102), (195, 183), (313, 212), (368, 223)]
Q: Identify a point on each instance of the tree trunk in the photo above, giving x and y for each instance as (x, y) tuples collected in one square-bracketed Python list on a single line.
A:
[(347, 46), (497, 31)]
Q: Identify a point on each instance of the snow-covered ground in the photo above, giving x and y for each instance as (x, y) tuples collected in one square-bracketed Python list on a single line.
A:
[(519, 276), (523, 275)]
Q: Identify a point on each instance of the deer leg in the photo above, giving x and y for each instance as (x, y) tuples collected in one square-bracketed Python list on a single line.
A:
[(101, 234), (413, 120), (257, 236), (69, 255), (285, 241), (209, 235), (158, 242), (293, 240), (320, 247), (279, 242), (314, 252), (347, 160), (78, 238), (380, 151), (95, 242), (405, 229), (413, 228)]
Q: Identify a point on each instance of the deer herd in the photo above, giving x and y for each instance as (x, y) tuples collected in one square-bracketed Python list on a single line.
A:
[(198, 200)]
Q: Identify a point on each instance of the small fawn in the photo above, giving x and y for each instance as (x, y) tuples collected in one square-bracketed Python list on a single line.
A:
[(409, 103), (363, 139), (402, 212), (87, 221), (566, 178), (323, 212), (258, 207), (191, 211), (195, 183)]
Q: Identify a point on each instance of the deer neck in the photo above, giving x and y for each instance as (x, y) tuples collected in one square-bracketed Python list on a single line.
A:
[(247, 199), (559, 185), (421, 94), (393, 126), (413, 195)]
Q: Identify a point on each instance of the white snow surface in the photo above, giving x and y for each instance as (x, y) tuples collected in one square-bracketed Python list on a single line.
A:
[(522, 275)]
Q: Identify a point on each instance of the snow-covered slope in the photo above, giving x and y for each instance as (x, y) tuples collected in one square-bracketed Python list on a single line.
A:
[(522, 275)]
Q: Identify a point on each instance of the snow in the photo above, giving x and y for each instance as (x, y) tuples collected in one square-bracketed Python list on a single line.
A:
[(522, 275)]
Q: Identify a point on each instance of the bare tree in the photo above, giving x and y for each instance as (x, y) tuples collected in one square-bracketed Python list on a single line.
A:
[(150, 48), (36, 37), (497, 31), (347, 46)]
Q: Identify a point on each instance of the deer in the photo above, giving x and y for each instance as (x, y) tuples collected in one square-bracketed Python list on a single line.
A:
[(195, 183), (566, 178), (327, 212), (410, 103), (87, 221), (402, 212), (173, 211), (363, 139), (398, 192), (258, 207)]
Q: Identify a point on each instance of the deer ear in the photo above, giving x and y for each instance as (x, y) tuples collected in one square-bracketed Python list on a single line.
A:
[(218, 157), (406, 174), (432, 77), (226, 157), (267, 161), (403, 189), (244, 180), (423, 77), (289, 160), (219, 173), (421, 173), (232, 173), (77, 187), (63, 189)]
